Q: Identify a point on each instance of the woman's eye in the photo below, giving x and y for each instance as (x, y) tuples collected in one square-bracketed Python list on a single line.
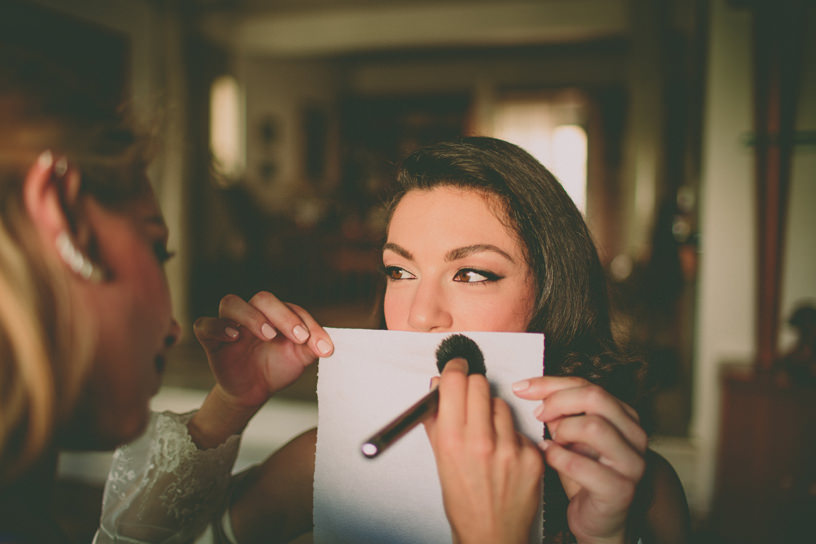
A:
[(161, 252), (397, 273), (470, 275)]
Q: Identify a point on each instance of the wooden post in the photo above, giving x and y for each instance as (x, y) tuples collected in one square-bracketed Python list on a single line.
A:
[(778, 37)]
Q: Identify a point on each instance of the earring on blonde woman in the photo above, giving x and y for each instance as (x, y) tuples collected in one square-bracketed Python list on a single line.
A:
[(77, 261)]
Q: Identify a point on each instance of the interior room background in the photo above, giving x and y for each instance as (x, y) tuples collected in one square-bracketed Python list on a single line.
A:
[(279, 124)]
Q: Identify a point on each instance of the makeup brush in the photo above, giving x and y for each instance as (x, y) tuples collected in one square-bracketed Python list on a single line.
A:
[(457, 345)]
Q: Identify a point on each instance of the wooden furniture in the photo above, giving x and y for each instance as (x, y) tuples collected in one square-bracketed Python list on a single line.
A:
[(766, 478)]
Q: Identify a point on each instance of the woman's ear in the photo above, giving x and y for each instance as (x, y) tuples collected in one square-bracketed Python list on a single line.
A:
[(50, 190), (50, 195)]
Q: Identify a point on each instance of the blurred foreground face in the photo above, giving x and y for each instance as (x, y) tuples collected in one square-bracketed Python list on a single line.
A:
[(135, 324), (452, 264)]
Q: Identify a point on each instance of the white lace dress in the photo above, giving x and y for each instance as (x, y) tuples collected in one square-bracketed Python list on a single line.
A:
[(163, 489)]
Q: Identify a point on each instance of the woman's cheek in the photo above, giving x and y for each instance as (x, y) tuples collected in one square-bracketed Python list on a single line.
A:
[(394, 310)]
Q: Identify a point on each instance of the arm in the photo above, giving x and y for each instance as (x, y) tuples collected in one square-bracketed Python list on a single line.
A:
[(273, 503), (168, 485), (255, 348), (162, 487), (665, 518)]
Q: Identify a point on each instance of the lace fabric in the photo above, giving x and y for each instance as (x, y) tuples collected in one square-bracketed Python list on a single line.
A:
[(162, 488)]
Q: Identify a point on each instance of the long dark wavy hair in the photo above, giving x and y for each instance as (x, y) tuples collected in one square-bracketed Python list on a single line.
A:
[(572, 306)]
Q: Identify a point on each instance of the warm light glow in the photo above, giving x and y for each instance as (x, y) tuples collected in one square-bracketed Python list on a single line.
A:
[(562, 148), (569, 162), (226, 127)]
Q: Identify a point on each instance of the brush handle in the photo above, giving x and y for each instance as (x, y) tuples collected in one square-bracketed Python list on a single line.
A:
[(410, 418)]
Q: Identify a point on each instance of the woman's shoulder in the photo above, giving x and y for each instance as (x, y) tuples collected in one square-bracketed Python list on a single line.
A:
[(662, 503)]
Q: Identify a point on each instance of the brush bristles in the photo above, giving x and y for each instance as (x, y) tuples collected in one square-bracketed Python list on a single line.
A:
[(459, 345)]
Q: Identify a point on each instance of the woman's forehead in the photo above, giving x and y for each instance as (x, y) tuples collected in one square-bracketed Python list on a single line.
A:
[(456, 199), (450, 214)]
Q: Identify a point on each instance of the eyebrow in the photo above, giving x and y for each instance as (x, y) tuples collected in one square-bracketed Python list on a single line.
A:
[(453, 254), (462, 252), (156, 222)]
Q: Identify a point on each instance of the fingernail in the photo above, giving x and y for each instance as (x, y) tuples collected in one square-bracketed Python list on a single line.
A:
[(323, 347), (268, 331), (544, 444), (521, 386), (45, 159), (231, 332), (61, 167), (457, 363), (539, 410), (300, 333)]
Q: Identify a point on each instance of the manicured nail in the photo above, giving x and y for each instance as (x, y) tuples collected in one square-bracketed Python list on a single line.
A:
[(268, 331), (45, 159), (323, 347), (521, 386), (539, 410), (61, 167), (231, 332), (300, 333)]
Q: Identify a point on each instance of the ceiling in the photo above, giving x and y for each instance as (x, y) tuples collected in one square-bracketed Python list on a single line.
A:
[(298, 28)]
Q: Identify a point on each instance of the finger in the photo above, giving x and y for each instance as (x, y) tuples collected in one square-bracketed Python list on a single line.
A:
[(542, 387), (479, 415), (531, 457), (212, 330), (429, 422), (503, 424), (452, 397), (319, 340), (247, 315), (593, 399), (605, 484), (281, 316), (596, 438)]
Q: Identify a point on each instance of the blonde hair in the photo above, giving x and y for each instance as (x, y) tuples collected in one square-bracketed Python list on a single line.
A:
[(35, 348), (46, 346)]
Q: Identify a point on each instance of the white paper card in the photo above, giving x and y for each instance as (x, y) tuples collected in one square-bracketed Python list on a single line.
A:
[(371, 378)]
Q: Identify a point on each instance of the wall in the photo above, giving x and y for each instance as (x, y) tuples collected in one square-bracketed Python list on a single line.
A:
[(280, 91), (727, 302)]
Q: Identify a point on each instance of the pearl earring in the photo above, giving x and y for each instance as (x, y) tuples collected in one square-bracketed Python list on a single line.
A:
[(77, 261)]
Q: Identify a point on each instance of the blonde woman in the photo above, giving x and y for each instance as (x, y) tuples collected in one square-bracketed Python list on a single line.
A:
[(86, 321)]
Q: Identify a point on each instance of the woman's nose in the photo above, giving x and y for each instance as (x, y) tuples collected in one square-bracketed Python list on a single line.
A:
[(173, 334), (428, 309)]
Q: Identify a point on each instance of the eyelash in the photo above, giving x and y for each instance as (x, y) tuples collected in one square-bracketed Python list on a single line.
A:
[(161, 252), (391, 272), (489, 276)]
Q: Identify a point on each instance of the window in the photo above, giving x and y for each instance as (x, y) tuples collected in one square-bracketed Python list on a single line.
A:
[(227, 129), (549, 129)]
